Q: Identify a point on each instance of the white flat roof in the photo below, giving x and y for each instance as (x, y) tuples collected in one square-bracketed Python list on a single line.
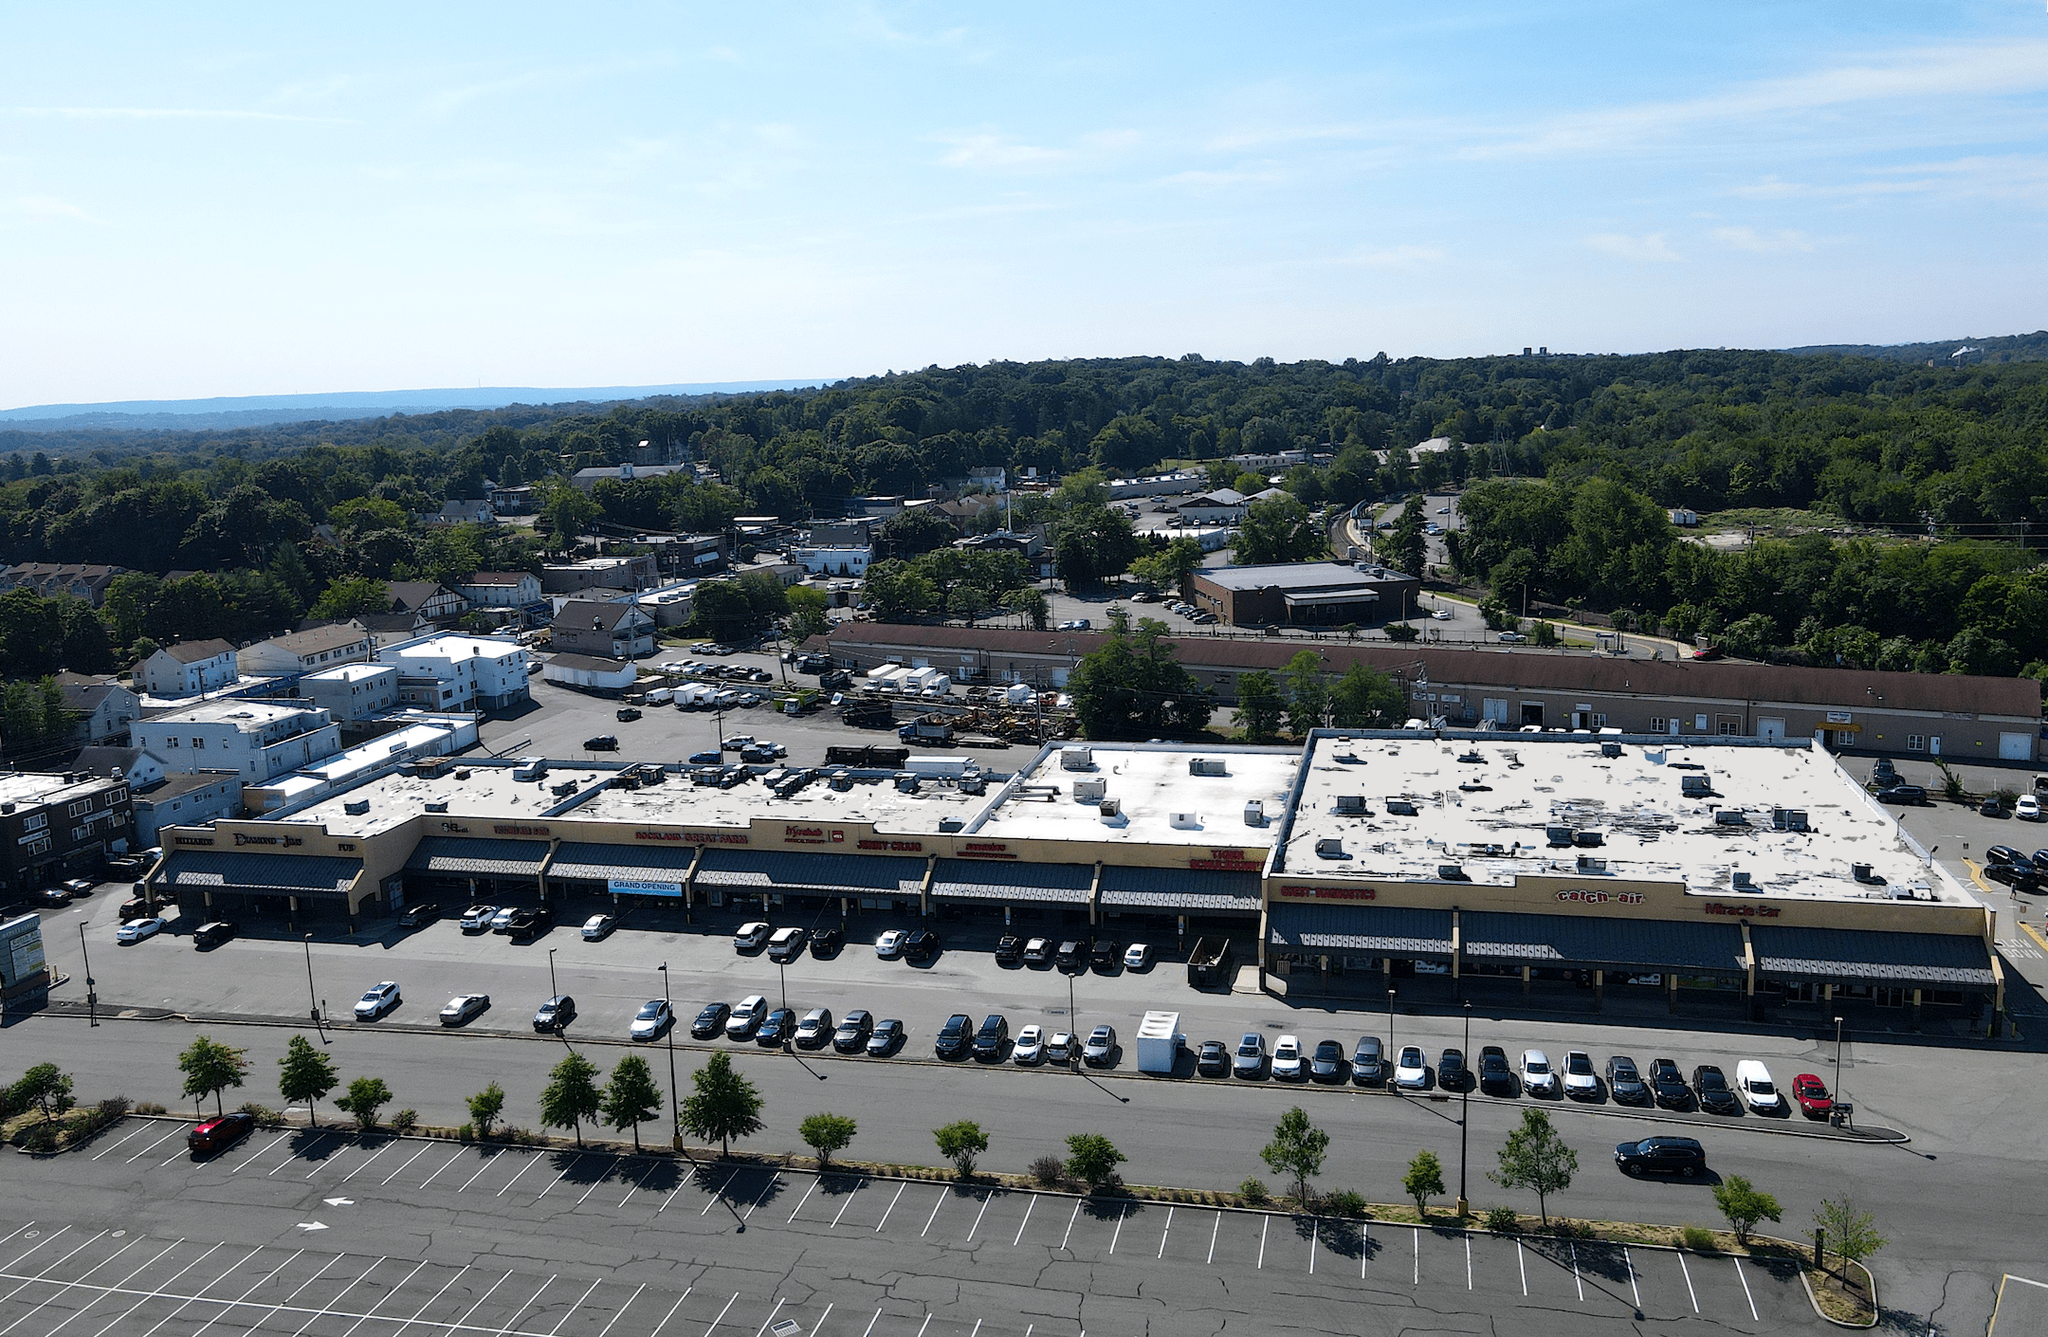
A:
[(233, 711), (488, 791), (870, 799), (348, 672), (1490, 815), (1160, 802)]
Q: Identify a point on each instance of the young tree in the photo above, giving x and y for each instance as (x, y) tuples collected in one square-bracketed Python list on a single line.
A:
[(1258, 706), (210, 1067), (961, 1142), (485, 1107), (1308, 694), (571, 1095), (1092, 1159), (1297, 1149), (1740, 1202), (631, 1098), (724, 1105), (1424, 1180), (1850, 1233), (826, 1133), (1537, 1159), (45, 1086), (365, 1096), (807, 614), (305, 1073), (1280, 530), (1366, 698)]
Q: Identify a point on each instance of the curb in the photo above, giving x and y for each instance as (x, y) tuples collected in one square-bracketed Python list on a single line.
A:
[(1814, 1300)]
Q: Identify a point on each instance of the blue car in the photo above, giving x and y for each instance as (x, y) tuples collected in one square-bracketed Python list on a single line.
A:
[(707, 758)]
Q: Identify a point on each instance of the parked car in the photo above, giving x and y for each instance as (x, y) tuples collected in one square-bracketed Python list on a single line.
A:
[(1009, 949), (1107, 954), (1073, 955), (751, 936), (135, 930), (2004, 854), (890, 944), (1411, 1070), (887, 1039), (1368, 1062), (1326, 1064), (464, 1007), (955, 1037), (1213, 1059), (786, 944), (1710, 1087), (1669, 1084), (2027, 808), (1580, 1081), (1815, 1101), (654, 1017), (377, 1000), (212, 1136), (1101, 1049), (1038, 952), (1512, 638), (501, 922), (815, 1030), (1451, 1072), (1250, 1060), (1993, 806), (990, 1039), (1911, 795), (1138, 956), (1661, 1156), (1753, 1080), (79, 886), (826, 942), (598, 927), (1538, 1078), (1495, 1077), (477, 918), (1030, 1046), (604, 742), (710, 1021), (707, 758), (1059, 1048), (1287, 1060), (555, 1013), (1625, 1083), (747, 1015), (426, 912), (920, 944), (208, 936), (627, 714)]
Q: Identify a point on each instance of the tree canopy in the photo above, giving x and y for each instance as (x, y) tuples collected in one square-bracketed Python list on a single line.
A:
[(1133, 687)]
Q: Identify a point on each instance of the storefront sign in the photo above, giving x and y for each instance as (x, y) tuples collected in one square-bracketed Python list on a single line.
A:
[(657, 835), (717, 838), (983, 849), (192, 840), (1229, 861), (633, 886), (1331, 893), (1743, 911), (21, 949), (1839, 717), (510, 829), (812, 835), (244, 839), (1602, 897), (895, 846)]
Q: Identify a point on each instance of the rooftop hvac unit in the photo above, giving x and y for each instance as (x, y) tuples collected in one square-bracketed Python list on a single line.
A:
[(906, 784), (949, 825), (1695, 786), (1789, 819), (1207, 766), (1450, 872), (1329, 848), (841, 781), (1185, 821), (1741, 881), (356, 807), (973, 783), (1255, 812), (1077, 759), (1091, 789), (1731, 817), (1558, 836), (462, 774), (1110, 807), (1863, 873), (441, 806), (1400, 807), (1610, 749), (1351, 805), (1591, 840), (1588, 864)]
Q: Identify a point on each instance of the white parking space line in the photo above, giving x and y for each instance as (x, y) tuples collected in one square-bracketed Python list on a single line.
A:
[(1025, 1222), (815, 1179), (721, 1315), (118, 1285), (934, 1216), (274, 1309), (366, 1164), (32, 1233), (113, 1322), (1468, 1260), (259, 1153), (1633, 1289), (1215, 1230), (488, 1162), (1416, 1235), (878, 1318), (1577, 1280), (200, 1294), (289, 1157), (320, 1165), (986, 1198), (672, 1311), (828, 1313), (1164, 1233), (1745, 1289), (1264, 1224), (1688, 1283), (560, 1177), (1364, 1247), (460, 1273), (522, 1309), (408, 1161), (771, 1316), (718, 1194), (30, 1280), (461, 1323), (648, 1174), (389, 1296), (857, 1187), (253, 1286), (1118, 1233), (774, 1181), (892, 1205), (1522, 1261), (920, 1327), (134, 1132), (65, 1286), (622, 1311), (574, 1307), (1070, 1225), (320, 1312), (531, 1161), (444, 1165), (1315, 1226), (152, 1146)]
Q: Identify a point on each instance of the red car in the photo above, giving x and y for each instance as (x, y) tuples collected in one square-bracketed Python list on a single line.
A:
[(1812, 1094), (215, 1135)]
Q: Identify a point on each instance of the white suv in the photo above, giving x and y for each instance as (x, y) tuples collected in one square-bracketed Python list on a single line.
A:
[(380, 999)]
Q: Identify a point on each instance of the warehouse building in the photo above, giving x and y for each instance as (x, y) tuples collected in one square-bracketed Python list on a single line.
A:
[(1305, 594)]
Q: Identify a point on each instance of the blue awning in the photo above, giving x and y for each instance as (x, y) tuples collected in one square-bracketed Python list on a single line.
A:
[(1595, 943), (1367, 930), (979, 880), (1943, 960), (831, 874), (1179, 890)]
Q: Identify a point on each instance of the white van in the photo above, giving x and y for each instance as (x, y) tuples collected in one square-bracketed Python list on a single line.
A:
[(1753, 1079)]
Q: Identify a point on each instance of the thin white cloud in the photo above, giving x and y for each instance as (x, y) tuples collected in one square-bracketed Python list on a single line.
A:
[(1387, 257), (2012, 177), (1651, 247), (46, 206), (169, 114), (1763, 243), (994, 151)]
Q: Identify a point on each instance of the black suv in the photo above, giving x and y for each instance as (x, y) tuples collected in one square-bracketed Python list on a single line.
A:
[(530, 923), (1669, 1084), (1661, 1156), (710, 1022), (424, 913), (1911, 795), (1009, 950), (989, 1040), (826, 942), (1107, 954), (1073, 954), (920, 945), (1451, 1072), (604, 742), (1496, 1078), (954, 1036), (1711, 1087)]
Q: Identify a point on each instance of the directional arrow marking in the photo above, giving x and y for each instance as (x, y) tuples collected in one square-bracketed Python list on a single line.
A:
[(339, 1202), (312, 1225)]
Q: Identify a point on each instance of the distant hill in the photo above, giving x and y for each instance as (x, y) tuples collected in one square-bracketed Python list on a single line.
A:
[(340, 406), (1996, 349)]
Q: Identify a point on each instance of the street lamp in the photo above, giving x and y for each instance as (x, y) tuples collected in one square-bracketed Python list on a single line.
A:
[(675, 1113), (1390, 1024), (92, 999), (1073, 1029), (554, 988), (1838, 1058), (1465, 1111), (312, 1000)]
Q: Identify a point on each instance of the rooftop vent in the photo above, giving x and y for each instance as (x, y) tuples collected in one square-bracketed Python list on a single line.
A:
[(441, 806), (1400, 807), (1731, 817), (1090, 790), (1077, 759), (1560, 837), (950, 824), (1110, 807), (1255, 812), (1185, 821), (1451, 872), (1351, 805), (1330, 848), (1207, 766), (1472, 758), (1695, 786), (462, 774), (1588, 864), (356, 807), (1591, 840), (1610, 749), (1862, 873), (1741, 881)]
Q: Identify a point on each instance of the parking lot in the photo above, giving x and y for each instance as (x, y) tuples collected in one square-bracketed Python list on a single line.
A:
[(833, 1253)]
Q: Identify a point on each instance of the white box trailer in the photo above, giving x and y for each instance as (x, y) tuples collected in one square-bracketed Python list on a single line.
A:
[(1159, 1042), (951, 768)]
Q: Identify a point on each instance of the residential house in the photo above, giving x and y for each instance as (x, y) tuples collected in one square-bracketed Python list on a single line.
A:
[(189, 668), (502, 589), (448, 671), (428, 599), (512, 500), (101, 709), (394, 628), (306, 651), (258, 739), (635, 572), (352, 692), (462, 513), (139, 768), (604, 630), (87, 581)]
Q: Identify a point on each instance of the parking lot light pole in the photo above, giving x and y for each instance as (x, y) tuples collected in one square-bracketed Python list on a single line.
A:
[(554, 988), (1465, 1113), (311, 999), (92, 998), (675, 1112), (1390, 1024), (1073, 1029), (1838, 1058)]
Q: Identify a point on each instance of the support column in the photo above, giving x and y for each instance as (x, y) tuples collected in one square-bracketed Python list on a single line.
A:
[(1599, 990), (1671, 978), (1525, 981), (1917, 997)]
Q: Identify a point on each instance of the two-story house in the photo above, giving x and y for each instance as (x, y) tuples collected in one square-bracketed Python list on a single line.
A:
[(101, 709), (447, 671), (80, 580), (425, 598), (502, 589), (189, 668), (604, 630), (309, 651)]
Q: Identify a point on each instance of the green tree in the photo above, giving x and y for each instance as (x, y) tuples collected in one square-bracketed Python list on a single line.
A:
[(1133, 687), (1170, 567), (1537, 1159), (961, 1142), (1032, 603), (485, 1107), (1308, 693), (807, 617), (1850, 1233), (1280, 530), (1298, 1148), (909, 534), (349, 596), (210, 1067), (568, 511), (1744, 1206), (1424, 1180), (724, 1104), (1092, 1159), (45, 1086), (305, 1073), (365, 1096), (1092, 543), (631, 1097), (826, 1133), (1259, 706), (1366, 698), (571, 1095)]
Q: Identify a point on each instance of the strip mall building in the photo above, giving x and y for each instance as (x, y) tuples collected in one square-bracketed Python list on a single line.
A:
[(1725, 874)]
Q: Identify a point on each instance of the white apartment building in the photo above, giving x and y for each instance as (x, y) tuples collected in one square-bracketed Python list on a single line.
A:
[(836, 561), (449, 671), (189, 668), (306, 651), (258, 739), (351, 692), (502, 589)]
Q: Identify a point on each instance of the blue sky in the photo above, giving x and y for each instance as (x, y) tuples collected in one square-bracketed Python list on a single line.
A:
[(221, 200)]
